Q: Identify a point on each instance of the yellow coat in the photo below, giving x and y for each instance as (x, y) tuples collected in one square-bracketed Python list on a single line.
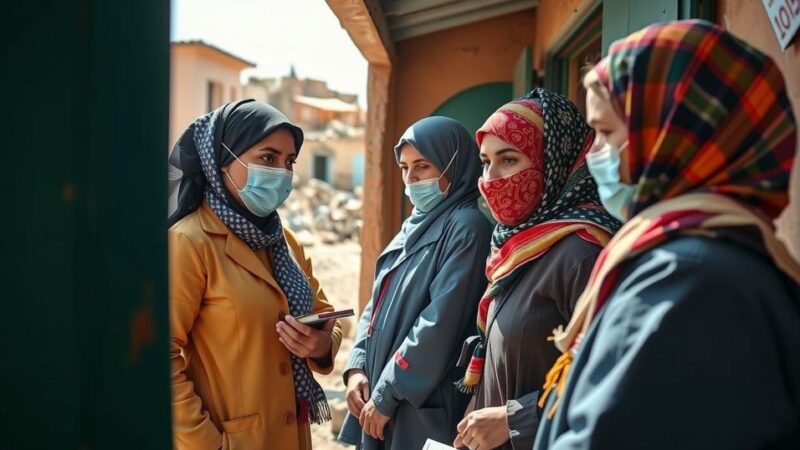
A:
[(232, 382)]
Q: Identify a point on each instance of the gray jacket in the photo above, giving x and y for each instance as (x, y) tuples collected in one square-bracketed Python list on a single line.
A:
[(429, 308)]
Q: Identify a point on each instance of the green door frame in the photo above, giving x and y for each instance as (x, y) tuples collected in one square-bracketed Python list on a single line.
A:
[(85, 328), (586, 31), (622, 17), (524, 77), (612, 20)]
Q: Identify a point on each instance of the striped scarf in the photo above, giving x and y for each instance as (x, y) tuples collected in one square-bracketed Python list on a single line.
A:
[(569, 203), (711, 144)]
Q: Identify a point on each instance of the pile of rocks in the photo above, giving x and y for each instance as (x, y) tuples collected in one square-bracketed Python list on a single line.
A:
[(317, 212)]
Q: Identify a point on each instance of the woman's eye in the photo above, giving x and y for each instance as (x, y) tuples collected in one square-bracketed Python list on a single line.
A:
[(509, 161), (604, 133), (268, 158)]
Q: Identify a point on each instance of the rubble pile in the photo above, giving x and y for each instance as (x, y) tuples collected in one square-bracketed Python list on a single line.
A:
[(318, 213)]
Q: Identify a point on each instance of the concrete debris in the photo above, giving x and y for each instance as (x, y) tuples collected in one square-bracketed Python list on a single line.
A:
[(318, 213)]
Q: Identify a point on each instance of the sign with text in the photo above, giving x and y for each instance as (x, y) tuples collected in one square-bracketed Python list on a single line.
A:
[(784, 15)]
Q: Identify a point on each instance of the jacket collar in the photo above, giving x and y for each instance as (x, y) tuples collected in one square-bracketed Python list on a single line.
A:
[(235, 248)]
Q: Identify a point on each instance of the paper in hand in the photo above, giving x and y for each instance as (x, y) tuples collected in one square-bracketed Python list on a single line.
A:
[(430, 444)]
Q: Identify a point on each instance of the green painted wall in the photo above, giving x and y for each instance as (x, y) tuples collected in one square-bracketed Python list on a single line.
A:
[(623, 17), (473, 106), (84, 326)]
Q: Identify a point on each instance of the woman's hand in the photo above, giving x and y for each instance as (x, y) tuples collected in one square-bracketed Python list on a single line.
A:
[(372, 421), (305, 341), (483, 429), (357, 391)]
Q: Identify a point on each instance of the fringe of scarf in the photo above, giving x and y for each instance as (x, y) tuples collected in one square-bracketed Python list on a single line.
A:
[(318, 412)]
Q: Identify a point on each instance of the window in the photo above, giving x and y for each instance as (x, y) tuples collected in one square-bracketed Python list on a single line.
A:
[(358, 170), (566, 61), (321, 168), (623, 17), (605, 22), (213, 95)]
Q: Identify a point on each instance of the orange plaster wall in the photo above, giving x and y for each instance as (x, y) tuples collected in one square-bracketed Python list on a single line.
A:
[(432, 68), (749, 21), (551, 15)]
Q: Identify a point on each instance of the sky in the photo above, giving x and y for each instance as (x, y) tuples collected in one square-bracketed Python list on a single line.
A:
[(276, 34)]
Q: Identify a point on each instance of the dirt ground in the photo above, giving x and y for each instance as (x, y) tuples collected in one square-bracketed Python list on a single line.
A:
[(337, 269)]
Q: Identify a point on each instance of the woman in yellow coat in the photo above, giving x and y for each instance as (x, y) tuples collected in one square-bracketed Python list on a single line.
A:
[(241, 364)]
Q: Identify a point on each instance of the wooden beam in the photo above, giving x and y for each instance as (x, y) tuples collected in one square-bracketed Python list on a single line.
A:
[(450, 11), (394, 8), (366, 24), (431, 22), (381, 186), (367, 27)]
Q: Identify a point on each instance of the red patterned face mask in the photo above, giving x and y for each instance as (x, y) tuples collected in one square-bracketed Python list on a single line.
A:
[(514, 198)]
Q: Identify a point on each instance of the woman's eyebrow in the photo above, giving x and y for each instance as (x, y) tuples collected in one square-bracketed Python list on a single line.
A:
[(277, 151)]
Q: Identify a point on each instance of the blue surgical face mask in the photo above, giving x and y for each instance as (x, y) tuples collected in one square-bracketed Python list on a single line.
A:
[(604, 167), (425, 194), (266, 189)]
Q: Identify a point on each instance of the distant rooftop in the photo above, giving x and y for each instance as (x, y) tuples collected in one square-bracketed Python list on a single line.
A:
[(200, 43), (328, 104)]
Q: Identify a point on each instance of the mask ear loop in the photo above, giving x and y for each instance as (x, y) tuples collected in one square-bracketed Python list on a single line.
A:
[(240, 162), (450, 183)]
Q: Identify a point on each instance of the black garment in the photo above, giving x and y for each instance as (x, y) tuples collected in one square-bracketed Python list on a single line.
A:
[(518, 354), (698, 347)]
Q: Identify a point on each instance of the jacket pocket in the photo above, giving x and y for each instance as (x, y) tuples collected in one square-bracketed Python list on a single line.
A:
[(242, 433), (242, 424)]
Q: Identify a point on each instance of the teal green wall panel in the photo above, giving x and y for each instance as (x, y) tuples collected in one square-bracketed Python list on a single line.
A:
[(523, 73), (622, 17), (85, 324), (473, 106)]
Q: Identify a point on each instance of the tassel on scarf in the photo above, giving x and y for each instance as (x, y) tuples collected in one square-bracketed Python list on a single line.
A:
[(556, 379), (472, 377), (319, 412)]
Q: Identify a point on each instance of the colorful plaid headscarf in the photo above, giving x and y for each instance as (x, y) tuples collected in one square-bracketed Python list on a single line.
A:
[(549, 128), (705, 113), (711, 144)]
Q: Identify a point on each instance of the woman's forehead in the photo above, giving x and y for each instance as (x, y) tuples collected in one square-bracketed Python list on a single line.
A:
[(597, 108), (408, 153), (492, 142)]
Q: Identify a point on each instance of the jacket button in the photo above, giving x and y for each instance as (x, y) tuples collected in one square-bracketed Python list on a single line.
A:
[(288, 418), (283, 368)]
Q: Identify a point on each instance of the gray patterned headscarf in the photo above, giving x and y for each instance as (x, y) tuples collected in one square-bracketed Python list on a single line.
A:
[(204, 147)]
